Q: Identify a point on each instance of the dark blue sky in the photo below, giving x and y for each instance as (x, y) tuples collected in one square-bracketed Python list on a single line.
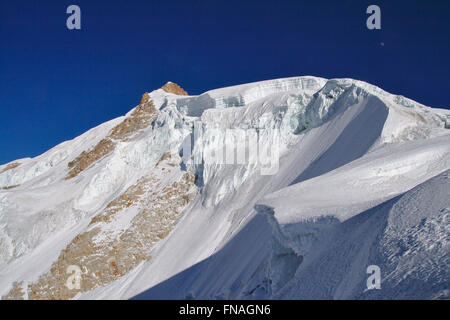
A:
[(57, 83)]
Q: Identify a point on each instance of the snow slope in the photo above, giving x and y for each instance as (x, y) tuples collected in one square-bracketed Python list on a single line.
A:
[(407, 237), (412, 253), (362, 178)]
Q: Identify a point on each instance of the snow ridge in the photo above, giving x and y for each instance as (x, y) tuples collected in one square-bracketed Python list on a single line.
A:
[(350, 154)]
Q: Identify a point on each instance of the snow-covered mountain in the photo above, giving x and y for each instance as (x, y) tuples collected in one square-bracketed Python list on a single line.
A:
[(287, 188)]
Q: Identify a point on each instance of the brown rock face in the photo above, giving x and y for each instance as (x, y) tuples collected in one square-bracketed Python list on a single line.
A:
[(10, 187), (85, 159), (16, 293), (105, 251), (171, 87), (142, 116), (10, 166)]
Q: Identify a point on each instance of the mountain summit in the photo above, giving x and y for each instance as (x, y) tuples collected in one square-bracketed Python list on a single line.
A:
[(286, 188), (171, 87)]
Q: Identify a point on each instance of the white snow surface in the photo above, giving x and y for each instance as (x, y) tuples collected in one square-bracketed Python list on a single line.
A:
[(362, 179)]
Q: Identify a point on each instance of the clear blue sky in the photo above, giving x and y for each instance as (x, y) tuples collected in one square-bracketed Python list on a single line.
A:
[(57, 83)]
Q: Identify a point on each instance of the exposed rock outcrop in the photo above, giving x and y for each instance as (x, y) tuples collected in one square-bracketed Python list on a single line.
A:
[(171, 87), (141, 117), (10, 166), (108, 250)]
